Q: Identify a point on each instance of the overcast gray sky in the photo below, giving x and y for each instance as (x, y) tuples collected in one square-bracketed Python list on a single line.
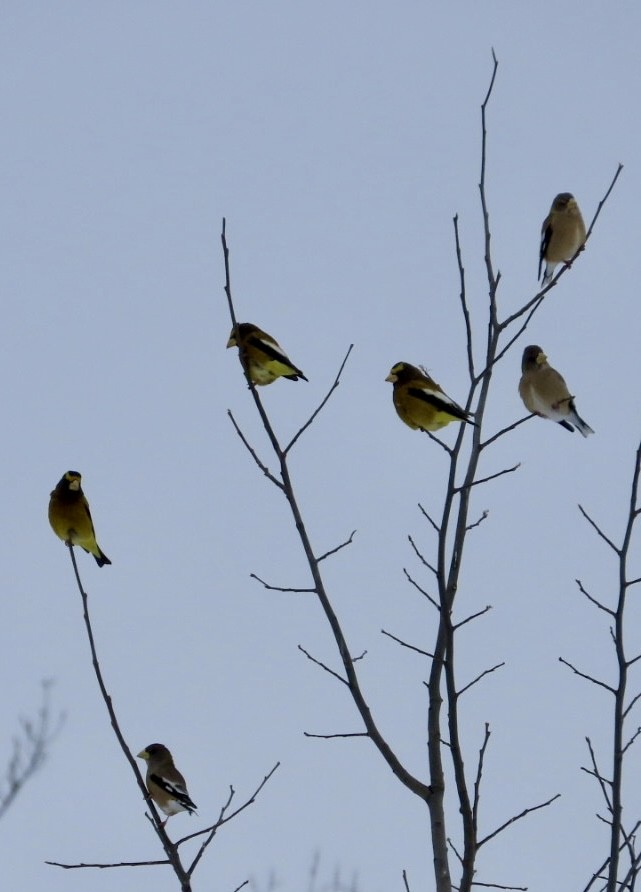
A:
[(339, 139)]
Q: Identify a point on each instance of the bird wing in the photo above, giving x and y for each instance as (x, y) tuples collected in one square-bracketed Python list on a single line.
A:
[(439, 401), (270, 349), (175, 789), (546, 235)]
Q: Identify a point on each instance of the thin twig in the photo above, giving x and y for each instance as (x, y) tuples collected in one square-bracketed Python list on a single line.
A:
[(479, 677), (322, 404), (332, 551), (599, 531), (253, 453), (468, 619), (587, 677), (593, 600), (487, 479), (400, 641), (523, 814), (279, 588), (323, 666)]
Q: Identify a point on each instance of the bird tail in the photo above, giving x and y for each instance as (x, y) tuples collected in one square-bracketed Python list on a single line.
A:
[(581, 425), (101, 558)]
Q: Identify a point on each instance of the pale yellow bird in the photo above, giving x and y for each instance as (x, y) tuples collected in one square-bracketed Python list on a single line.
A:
[(70, 517), (266, 360), (545, 393), (562, 234), (420, 402)]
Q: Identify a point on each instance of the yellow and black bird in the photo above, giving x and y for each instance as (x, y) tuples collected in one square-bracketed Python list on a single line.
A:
[(265, 358), (165, 783), (420, 402), (545, 393), (70, 517), (562, 234)]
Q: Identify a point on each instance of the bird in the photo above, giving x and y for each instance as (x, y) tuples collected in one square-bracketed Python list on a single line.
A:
[(562, 234), (70, 517), (545, 393), (420, 402), (165, 783), (265, 358)]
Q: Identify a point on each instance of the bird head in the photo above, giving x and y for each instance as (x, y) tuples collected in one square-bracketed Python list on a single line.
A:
[(532, 357), (403, 371), (71, 480), (240, 332), (564, 201), (154, 750)]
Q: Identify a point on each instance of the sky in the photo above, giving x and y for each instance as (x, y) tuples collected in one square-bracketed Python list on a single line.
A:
[(338, 140)]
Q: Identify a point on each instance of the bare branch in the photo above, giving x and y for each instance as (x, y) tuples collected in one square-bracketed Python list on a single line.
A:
[(405, 644), (425, 594), (468, 619), (487, 479), (523, 814), (158, 825), (464, 307), (477, 523), (322, 404), (631, 740), (278, 588), (595, 681), (479, 775), (405, 883), (440, 442), (599, 531), (105, 866), (498, 886), (224, 820), (630, 582), (435, 526), (332, 551), (332, 736), (505, 430), (253, 453), (593, 600), (421, 558), (30, 749), (323, 666), (631, 704), (478, 678), (597, 774)]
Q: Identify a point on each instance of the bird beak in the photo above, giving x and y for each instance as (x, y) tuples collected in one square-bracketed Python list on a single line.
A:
[(541, 358), (391, 377), (231, 342), (143, 754), (74, 485)]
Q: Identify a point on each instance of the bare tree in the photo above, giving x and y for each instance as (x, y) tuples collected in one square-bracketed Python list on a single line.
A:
[(182, 869), (29, 750), (620, 869), (450, 525)]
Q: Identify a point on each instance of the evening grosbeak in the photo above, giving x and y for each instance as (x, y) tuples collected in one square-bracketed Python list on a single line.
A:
[(562, 234), (545, 393), (265, 358), (165, 783), (420, 402), (70, 517)]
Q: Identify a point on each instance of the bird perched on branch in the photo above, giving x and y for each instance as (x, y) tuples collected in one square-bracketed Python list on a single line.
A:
[(562, 234), (165, 783), (70, 517), (545, 393), (420, 402), (265, 358)]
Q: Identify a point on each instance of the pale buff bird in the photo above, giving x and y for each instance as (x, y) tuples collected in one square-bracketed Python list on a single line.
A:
[(562, 234), (545, 393)]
